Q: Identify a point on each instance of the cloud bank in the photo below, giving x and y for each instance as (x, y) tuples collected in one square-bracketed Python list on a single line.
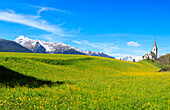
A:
[(133, 44), (33, 21), (103, 47)]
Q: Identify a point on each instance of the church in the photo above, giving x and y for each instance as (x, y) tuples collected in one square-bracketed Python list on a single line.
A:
[(152, 54)]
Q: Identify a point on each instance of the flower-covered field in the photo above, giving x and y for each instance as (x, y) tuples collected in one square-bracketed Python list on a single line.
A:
[(50, 81)]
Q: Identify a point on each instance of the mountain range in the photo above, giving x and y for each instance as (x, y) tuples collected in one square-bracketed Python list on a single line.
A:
[(11, 46), (39, 46), (130, 58), (27, 45)]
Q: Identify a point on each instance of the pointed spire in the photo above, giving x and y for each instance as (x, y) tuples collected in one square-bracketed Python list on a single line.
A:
[(155, 43)]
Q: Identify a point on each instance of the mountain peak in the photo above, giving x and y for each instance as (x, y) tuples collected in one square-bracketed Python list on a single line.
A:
[(22, 39), (21, 36), (39, 46), (130, 58)]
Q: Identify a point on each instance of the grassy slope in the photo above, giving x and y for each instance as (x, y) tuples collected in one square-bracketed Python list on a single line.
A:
[(82, 82)]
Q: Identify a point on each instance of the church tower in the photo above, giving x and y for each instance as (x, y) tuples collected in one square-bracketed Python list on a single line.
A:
[(155, 50)]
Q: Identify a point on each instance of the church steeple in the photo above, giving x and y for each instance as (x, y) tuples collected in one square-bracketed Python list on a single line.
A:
[(155, 44), (153, 54), (155, 49)]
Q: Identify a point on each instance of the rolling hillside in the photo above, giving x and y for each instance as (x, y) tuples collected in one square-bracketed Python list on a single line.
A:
[(50, 81)]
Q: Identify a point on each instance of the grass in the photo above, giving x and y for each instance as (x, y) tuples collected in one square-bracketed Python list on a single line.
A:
[(50, 81)]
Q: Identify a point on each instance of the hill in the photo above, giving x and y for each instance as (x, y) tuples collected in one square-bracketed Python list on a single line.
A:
[(57, 81), (164, 61), (11, 46)]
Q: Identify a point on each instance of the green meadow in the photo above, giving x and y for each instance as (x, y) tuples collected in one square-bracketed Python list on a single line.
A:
[(56, 81)]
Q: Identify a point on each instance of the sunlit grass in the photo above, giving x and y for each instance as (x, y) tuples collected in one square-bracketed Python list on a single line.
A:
[(88, 83)]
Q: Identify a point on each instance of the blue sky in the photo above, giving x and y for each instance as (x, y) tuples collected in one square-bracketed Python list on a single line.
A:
[(116, 27)]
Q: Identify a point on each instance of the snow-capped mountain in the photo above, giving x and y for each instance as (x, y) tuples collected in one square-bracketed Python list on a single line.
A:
[(127, 58), (45, 47), (130, 58), (38, 46)]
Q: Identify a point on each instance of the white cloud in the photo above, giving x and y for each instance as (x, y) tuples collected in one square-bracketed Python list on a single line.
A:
[(133, 44), (77, 42), (42, 9), (103, 47), (11, 11), (32, 21), (50, 37), (164, 49), (49, 8)]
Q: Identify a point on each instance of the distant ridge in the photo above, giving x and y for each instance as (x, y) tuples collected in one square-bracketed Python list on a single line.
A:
[(11, 46), (38, 46)]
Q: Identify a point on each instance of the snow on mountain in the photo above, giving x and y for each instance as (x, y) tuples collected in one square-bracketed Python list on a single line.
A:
[(22, 40), (50, 47), (39, 46), (127, 58), (130, 58)]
